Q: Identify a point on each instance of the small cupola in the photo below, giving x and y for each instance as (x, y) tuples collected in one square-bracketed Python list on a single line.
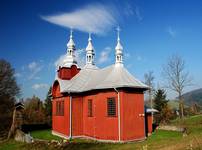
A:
[(70, 58), (90, 55), (90, 52)]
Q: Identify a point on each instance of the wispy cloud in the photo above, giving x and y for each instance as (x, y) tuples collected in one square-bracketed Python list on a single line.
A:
[(95, 18), (34, 69), (39, 86), (139, 58), (59, 61), (128, 10), (81, 57), (127, 55), (104, 55), (132, 10), (17, 75), (171, 31), (138, 14)]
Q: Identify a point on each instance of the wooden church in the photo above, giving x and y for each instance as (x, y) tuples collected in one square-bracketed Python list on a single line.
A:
[(105, 104)]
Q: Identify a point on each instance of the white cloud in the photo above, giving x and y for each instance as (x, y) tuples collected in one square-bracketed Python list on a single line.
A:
[(80, 57), (17, 75), (38, 86), (104, 55), (95, 18), (34, 69), (32, 65), (59, 61), (171, 32)]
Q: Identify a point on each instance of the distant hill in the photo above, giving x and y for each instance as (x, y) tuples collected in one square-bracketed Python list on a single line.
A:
[(192, 97)]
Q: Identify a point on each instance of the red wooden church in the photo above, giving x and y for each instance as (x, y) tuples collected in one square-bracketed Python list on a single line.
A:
[(104, 104)]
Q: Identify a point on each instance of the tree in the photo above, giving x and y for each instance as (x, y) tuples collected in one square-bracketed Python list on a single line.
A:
[(34, 111), (160, 100), (149, 79), (8, 92), (160, 103), (48, 106), (8, 84), (177, 78)]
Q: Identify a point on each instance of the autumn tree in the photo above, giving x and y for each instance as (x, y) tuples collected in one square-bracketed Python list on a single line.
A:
[(8, 92), (34, 111), (177, 78)]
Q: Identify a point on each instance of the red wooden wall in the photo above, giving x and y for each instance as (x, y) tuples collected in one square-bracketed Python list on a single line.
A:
[(149, 122), (100, 126), (68, 73), (77, 116), (60, 123), (132, 119)]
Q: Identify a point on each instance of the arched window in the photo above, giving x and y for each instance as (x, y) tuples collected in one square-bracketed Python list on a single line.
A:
[(56, 89)]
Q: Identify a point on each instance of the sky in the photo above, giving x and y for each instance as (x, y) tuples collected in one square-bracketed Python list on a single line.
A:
[(34, 34)]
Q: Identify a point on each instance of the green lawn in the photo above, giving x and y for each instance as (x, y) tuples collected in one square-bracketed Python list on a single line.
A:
[(44, 135), (158, 140)]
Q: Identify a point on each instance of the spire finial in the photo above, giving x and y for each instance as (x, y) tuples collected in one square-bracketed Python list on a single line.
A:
[(118, 33), (71, 33), (89, 37)]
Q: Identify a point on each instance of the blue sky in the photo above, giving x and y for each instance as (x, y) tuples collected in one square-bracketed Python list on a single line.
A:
[(151, 31)]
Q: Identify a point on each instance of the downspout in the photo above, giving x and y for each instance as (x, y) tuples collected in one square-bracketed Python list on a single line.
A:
[(145, 121), (119, 115), (70, 116)]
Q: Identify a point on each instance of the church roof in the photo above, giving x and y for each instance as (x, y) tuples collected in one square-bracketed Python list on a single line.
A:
[(93, 78)]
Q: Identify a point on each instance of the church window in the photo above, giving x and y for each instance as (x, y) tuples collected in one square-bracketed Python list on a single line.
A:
[(59, 108), (111, 107), (90, 108)]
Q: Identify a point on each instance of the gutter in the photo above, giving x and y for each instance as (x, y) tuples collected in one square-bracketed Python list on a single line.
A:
[(119, 115)]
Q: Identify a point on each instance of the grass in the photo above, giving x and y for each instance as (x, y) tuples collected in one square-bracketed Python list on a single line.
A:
[(160, 139), (44, 135)]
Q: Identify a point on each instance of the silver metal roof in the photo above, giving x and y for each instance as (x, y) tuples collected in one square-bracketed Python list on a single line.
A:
[(93, 78), (150, 110)]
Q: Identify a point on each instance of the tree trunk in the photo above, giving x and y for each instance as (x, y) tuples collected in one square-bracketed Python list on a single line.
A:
[(12, 129), (151, 103), (181, 106)]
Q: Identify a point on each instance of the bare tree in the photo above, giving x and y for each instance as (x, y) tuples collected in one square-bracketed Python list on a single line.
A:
[(149, 79), (177, 78)]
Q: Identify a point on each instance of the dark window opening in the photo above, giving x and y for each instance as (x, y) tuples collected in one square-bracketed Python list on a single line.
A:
[(111, 107), (90, 108)]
